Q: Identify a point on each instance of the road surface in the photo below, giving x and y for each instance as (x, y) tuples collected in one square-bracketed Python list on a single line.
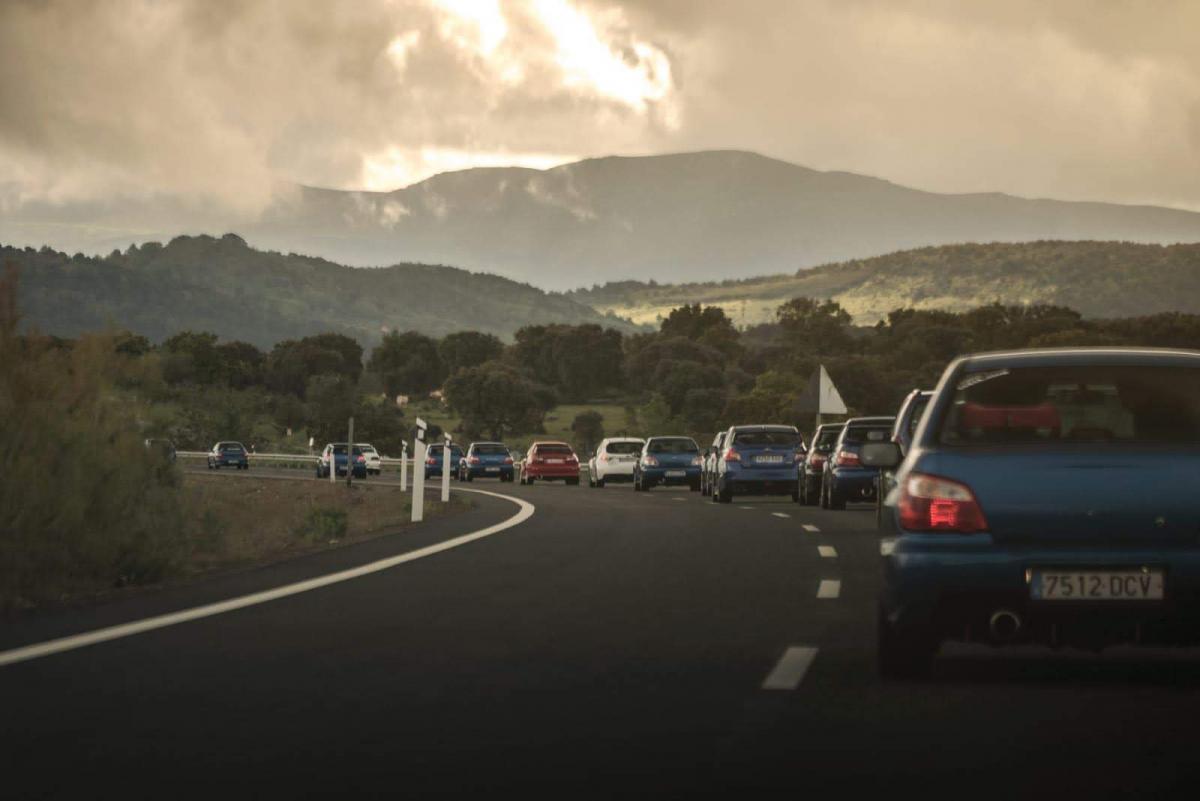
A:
[(615, 644)]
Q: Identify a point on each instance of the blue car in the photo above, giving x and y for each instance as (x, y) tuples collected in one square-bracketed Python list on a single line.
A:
[(1049, 497), (486, 460), (433, 460), (228, 454), (668, 461), (845, 478), (758, 460), (912, 409), (335, 453)]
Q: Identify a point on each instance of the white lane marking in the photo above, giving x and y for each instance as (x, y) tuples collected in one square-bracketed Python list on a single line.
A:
[(746, 507), (781, 514), (49, 647), (827, 551), (810, 527), (790, 669), (829, 588), (679, 499), (886, 547)]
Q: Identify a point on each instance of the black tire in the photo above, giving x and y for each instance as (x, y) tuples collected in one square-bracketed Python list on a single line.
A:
[(470, 478), (837, 501), (824, 495), (637, 483), (904, 656), (724, 495), (600, 483)]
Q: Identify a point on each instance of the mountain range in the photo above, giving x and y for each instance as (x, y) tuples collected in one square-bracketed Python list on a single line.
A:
[(702, 216)]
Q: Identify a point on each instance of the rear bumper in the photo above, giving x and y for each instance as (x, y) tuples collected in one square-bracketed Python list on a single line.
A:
[(552, 471), (772, 481), (490, 471), (658, 475), (855, 485), (952, 584), (615, 472)]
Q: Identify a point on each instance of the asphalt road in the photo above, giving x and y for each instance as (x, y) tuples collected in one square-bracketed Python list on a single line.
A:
[(616, 644)]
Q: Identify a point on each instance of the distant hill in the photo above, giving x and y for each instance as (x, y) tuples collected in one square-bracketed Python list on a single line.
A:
[(1099, 279), (684, 217), (224, 286)]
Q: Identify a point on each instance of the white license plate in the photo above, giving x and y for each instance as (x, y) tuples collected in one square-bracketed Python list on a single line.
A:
[(493, 469), (1096, 585), (676, 473), (769, 460), (554, 461)]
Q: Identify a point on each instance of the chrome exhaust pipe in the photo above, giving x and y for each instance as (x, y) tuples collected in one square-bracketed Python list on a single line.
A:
[(1004, 625)]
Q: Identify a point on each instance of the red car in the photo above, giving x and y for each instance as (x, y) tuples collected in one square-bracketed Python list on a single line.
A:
[(550, 461)]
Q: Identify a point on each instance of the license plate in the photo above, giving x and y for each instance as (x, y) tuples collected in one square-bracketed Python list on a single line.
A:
[(493, 469), (676, 473), (554, 461), (769, 460), (1096, 585)]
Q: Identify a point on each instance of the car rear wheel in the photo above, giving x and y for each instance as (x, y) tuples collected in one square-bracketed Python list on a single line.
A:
[(907, 655), (724, 495), (600, 482), (837, 501)]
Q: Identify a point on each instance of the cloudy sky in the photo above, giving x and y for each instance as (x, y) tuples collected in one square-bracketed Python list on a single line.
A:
[(226, 101)]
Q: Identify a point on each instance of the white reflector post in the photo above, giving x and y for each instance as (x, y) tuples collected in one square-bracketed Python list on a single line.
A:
[(404, 467), (446, 470)]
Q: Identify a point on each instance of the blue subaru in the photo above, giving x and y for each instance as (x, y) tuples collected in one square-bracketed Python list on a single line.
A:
[(758, 460), (668, 461), (1049, 497), (433, 460), (486, 460), (846, 479)]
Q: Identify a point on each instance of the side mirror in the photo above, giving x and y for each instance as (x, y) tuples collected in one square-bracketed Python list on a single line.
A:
[(883, 455)]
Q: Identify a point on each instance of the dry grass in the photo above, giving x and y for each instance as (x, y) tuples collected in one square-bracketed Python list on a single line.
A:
[(231, 522)]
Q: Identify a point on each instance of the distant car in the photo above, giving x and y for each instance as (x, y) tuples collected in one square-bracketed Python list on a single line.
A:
[(228, 454), (433, 460), (907, 420), (373, 459), (550, 461), (758, 460), (1049, 497), (614, 460), (812, 467), (336, 453), (708, 463), (486, 460), (164, 448), (846, 479), (668, 461)]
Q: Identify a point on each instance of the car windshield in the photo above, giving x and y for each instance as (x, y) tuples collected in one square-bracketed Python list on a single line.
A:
[(763, 438), (673, 445), (1046, 405), (623, 447), (826, 439), (340, 450), (857, 435), (231, 447), (554, 450), (491, 450), (436, 450)]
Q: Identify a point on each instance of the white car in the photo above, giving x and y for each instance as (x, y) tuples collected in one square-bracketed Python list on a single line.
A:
[(614, 460), (374, 460)]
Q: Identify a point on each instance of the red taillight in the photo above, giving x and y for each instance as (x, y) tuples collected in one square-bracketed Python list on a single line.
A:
[(431, 460), (573, 459), (649, 461), (474, 460), (361, 459), (930, 503), (731, 455), (816, 460), (508, 460), (847, 459)]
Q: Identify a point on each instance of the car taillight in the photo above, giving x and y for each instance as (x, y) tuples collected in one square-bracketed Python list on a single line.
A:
[(695, 460), (847, 459), (474, 460), (508, 460), (816, 460), (573, 459), (361, 459), (602, 457), (650, 461), (930, 503), (731, 455), (431, 460)]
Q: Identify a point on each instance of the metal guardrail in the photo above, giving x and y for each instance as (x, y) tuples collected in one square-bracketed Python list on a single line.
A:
[(308, 458)]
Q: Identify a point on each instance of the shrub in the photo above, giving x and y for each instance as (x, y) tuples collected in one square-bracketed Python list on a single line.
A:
[(323, 524)]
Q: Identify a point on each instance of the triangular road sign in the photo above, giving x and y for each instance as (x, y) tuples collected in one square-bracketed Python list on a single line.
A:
[(820, 396)]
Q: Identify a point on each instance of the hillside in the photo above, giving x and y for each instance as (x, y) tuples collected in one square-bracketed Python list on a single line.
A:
[(1100, 279), (222, 285), (682, 217)]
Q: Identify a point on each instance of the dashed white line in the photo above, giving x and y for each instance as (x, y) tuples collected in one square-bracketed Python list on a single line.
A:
[(746, 507), (780, 514), (827, 551), (810, 527), (829, 588), (525, 511), (790, 669), (886, 547), (679, 499)]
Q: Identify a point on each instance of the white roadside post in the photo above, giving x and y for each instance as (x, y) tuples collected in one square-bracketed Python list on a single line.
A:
[(332, 463), (446, 470), (418, 490), (404, 467)]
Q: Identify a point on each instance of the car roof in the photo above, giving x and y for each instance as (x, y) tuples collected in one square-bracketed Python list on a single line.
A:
[(549, 442), (871, 421), (1065, 357), (765, 427), (670, 436), (623, 439), (488, 442)]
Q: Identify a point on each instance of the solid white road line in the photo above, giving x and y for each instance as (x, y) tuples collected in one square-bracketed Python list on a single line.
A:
[(886, 547), (829, 588), (790, 669), (827, 551), (810, 527), (781, 514), (525, 511)]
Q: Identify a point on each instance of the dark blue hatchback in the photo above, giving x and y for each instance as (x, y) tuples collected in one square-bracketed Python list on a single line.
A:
[(1049, 497), (486, 460)]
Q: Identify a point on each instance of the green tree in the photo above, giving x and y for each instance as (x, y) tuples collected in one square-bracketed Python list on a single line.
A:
[(407, 363), (496, 399), (468, 349), (588, 428), (814, 327), (707, 325), (579, 361)]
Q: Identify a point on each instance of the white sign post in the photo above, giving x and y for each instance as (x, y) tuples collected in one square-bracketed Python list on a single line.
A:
[(446, 470), (418, 498), (404, 467)]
